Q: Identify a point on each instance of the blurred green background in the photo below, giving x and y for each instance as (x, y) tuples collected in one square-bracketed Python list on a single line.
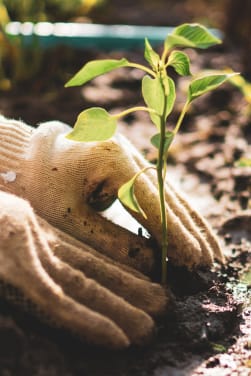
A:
[(45, 10), (230, 16)]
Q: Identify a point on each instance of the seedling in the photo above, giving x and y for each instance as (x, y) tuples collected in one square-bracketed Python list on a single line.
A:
[(159, 93)]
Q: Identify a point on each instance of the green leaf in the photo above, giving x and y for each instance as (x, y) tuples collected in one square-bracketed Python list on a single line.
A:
[(151, 56), (207, 82), (170, 94), (191, 35), (156, 92), (127, 196), (155, 140), (153, 95), (180, 62), (94, 124), (95, 68)]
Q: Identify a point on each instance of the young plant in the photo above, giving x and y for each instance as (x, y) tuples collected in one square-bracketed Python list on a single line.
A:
[(159, 93)]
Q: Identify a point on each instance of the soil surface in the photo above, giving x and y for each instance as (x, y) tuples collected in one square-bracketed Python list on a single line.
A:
[(207, 331)]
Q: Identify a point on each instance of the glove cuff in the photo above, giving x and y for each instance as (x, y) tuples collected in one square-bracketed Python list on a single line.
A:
[(14, 139)]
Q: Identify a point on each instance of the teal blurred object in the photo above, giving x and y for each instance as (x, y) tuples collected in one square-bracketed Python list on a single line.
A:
[(83, 35)]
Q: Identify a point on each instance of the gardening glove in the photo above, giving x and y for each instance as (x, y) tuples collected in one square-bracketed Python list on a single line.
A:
[(66, 181), (69, 284)]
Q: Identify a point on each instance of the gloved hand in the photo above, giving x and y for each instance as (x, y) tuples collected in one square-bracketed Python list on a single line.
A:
[(68, 283), (102, 300), (66, 180)]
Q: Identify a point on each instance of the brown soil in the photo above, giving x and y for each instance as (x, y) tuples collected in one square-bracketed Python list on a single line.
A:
[(207, 331)]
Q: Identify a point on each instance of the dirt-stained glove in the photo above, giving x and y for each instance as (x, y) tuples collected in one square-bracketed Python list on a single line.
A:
[(66, 180), (70, 284), (87, 287)]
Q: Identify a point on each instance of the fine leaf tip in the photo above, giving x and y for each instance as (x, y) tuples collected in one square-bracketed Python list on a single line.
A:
[(69, 83)]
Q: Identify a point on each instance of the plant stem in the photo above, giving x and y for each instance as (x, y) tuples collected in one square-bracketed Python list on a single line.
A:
[(181, 117), (133, 109), (164, 56), (142, 67), (161, 186), (161, 173)]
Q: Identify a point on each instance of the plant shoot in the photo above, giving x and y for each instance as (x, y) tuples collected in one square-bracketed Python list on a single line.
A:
[(159, 94)]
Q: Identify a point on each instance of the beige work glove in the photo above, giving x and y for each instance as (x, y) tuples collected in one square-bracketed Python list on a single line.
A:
[(77, 285), (65, 180), (69, 284)]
